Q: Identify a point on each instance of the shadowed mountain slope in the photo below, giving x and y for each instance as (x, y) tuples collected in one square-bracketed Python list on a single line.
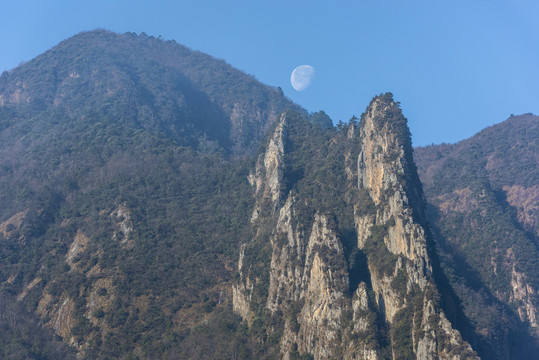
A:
[(484, 194)]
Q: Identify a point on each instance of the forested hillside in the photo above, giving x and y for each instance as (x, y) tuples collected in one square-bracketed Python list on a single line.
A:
[(145, 82), (484, 196), (123, 167)]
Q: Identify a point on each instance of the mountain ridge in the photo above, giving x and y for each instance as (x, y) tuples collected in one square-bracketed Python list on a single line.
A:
[(100, 68), (482, 195)]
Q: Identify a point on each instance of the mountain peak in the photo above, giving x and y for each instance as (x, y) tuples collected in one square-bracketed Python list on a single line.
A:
[(316, 254), (383, 109), (141, 81), (387, 155)]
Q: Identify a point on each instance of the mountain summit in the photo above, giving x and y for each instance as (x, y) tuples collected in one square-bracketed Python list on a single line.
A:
[(149, 83)]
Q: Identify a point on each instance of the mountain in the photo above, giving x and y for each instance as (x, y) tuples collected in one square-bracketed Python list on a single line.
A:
[(483, 205), (144, 82), (123, 161), (157, 203)]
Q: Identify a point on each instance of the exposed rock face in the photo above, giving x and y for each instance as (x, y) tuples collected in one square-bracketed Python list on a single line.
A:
[(523, 295), (318, 282), (268, 177), (309, 284), (124, 226), (78, 246), (267, 181), (242, 293), (386, 170), (329, 307), (62, 315), (287, 260), (13, 224)]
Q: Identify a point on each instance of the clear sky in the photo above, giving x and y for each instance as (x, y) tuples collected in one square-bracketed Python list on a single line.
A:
[(456, 66)]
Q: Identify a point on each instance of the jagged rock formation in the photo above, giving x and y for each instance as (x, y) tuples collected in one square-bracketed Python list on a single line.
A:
[(329, 293)]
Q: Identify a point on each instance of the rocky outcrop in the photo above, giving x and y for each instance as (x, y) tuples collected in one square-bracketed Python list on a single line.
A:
[(13, 224), (268, 177), (387, 171), (309, 284), (124, 226), (61, 315), (523, 295), (308, 281), (322, 290), (384, 170), (267, 181), (287, 260), (78, 246), (331, 307), (242, 292)]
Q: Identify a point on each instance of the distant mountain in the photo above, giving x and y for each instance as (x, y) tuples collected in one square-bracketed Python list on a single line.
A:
[(484, 205)]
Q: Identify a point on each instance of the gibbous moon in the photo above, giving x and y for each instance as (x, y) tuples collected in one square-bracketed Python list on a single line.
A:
[(301, 77)]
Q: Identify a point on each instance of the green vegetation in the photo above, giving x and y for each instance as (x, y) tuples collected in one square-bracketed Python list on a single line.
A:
[(401, 333), (377, 253)]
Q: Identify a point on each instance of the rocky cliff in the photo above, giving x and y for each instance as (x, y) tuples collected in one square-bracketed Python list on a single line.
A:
[(347, 273)]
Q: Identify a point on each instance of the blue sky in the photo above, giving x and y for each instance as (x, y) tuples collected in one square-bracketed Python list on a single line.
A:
[(455, 66)]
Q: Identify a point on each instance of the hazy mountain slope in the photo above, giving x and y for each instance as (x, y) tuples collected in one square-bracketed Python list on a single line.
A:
[(484, 196)]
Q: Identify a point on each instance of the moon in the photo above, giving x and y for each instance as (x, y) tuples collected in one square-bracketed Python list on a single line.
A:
[(301, 77)]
